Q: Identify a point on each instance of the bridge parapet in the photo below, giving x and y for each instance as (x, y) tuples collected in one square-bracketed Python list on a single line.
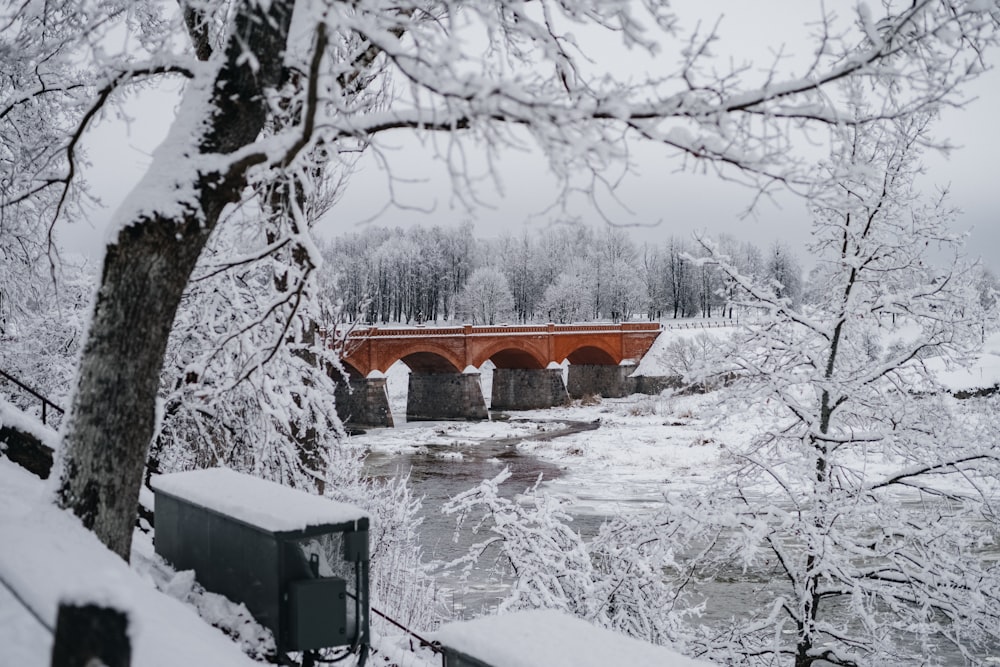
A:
[(503, 330)]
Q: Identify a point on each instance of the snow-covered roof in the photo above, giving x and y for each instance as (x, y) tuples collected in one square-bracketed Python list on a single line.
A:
[(48, 556), (548, 638), (257, 502)]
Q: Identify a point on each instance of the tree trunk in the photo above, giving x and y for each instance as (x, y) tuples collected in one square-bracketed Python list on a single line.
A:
[(146, 270)]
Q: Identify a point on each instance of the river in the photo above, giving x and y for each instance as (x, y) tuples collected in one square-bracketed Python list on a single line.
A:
[(440, 470)]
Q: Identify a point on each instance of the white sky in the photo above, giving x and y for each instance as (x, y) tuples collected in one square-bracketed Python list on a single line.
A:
[(660, 201)]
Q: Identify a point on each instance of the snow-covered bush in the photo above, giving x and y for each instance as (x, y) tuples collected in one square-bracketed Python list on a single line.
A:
[(40, 338), (616, 580), (688, 357)]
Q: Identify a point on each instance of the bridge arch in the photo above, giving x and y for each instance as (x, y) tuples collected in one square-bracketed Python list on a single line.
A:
[(513, 353), (421, 355), (430, 361), (352, 371), (594, 354)]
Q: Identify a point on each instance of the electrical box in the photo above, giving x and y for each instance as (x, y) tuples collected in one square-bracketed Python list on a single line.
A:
[(299, 562)]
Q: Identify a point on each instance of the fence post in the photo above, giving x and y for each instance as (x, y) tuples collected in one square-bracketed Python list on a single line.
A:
[(90, 635)]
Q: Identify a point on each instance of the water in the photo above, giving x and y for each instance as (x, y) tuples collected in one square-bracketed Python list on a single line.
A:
[(439, 472)]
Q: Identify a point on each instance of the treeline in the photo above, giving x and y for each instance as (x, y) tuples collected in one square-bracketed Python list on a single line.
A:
[(556, 274)]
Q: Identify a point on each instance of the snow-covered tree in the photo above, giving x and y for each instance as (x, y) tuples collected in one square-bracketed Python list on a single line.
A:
[(41, 341), (247, 384), (988, 288), (279, 90), (618, 279), (568, 299), (868, 495), (486, 298), (746, 258), (784, 272), (679, 277)]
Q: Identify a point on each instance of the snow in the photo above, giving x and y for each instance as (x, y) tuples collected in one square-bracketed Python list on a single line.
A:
[(254, 501), (548, 638), (654, 364), (11, 416), (420, 437), (48, 556), (982, 373), (646, 446)]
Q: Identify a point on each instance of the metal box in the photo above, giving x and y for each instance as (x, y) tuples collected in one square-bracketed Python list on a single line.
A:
[(298, 562), (317, 613)]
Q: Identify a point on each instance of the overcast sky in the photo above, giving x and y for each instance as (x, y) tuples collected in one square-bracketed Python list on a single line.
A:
[(660, 201)]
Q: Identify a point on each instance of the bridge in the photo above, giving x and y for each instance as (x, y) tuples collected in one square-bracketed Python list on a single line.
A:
[(444, 367)]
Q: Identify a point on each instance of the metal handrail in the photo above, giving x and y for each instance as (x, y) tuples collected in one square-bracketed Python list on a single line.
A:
[(46, 403)]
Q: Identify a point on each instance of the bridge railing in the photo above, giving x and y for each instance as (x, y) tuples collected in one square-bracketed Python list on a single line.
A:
[(413, 331), (508, 329), (703, 324)]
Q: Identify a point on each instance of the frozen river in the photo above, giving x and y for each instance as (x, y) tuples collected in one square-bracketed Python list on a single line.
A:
[(585, 466), (441, 468)]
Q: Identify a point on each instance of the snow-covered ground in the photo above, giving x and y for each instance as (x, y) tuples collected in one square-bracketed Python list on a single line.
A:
[(47, 557)]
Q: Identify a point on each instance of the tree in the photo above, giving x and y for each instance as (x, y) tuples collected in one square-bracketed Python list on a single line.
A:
[(871, 491), (41, 341), (486, 298), (745, 258), (246, 382), (568, 298), (268, 98), (784, 272), (679, 276), (520, 266), (620, 288)]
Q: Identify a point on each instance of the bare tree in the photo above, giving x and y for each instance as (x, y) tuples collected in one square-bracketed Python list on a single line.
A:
[(272, 89)]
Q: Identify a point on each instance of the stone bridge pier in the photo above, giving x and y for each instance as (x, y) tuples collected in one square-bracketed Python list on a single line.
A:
[(363, 402), (444, 395), (528, 388), (607, 380)]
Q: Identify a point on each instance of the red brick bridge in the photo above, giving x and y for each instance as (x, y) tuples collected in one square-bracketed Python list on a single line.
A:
[(444, 361)]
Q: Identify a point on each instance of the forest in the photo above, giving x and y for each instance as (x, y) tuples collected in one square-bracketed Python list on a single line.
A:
[(553, 273)]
